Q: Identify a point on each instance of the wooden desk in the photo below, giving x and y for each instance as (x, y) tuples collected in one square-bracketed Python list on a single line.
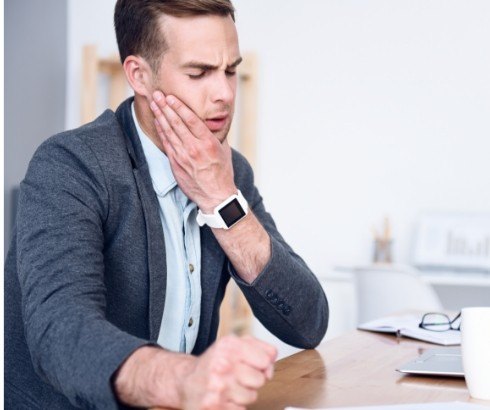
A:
[(354, 370)]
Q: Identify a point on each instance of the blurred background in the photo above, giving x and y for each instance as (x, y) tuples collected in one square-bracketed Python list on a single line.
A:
[(372, 118)]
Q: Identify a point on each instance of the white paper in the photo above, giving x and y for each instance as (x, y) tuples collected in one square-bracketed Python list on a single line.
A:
[(456, 405)]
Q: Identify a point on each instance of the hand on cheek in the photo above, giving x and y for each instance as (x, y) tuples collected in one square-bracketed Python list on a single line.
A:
[(201, 165)]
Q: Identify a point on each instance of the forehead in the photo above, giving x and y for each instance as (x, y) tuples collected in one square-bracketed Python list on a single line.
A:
[(208, 38)]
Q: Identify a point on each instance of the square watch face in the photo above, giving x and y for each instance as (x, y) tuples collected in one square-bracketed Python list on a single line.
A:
[(232, 212)]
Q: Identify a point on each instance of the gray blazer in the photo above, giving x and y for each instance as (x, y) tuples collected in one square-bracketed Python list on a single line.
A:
[(85, 275)]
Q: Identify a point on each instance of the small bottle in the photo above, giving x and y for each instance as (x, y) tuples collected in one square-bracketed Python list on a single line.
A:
[(382, 252)]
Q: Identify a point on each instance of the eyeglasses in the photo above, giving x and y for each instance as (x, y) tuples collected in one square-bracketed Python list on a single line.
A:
[(440, 322)]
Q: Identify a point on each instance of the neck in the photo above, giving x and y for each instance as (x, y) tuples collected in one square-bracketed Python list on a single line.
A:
[(145, 118)]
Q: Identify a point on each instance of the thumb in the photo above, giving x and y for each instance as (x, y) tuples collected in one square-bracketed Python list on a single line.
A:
[(226, 146)]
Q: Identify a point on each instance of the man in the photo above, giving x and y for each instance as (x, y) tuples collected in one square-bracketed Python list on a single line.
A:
[(130, 227)]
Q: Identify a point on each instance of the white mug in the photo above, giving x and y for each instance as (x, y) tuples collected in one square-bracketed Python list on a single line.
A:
[(475, 348)]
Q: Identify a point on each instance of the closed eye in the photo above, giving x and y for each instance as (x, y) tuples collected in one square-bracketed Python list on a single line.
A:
[(204, 67), (196, 76), (229, 73)]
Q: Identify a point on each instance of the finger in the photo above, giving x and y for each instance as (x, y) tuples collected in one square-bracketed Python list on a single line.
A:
[(212, 401), (249, 377), (195, 125), (170, 152), (241, 395), (226, 147), (258, 354), (159, 97), (257, 358), (169, 149), (178, 126), (246, 375), (269, 373), (177, 168), (173, 119), (245, 351), (232, 406), (165, 126), (226, 144)]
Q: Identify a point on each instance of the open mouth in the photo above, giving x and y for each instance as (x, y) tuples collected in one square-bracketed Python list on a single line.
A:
[(217, 123)]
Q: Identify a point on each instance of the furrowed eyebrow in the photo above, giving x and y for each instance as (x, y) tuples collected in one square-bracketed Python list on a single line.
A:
[(206, 67), (237, 61)]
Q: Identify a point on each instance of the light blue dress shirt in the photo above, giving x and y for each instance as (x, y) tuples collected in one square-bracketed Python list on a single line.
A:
[(180, 321)]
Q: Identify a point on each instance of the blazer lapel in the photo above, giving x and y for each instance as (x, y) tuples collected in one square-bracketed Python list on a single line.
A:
[(157, 266), (212, 264)]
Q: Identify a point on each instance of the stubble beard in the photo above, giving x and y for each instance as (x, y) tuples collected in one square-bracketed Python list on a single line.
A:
[(226, 131), (223, 134)]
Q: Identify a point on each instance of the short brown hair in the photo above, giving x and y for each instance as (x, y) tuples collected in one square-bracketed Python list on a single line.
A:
[(137, 23)]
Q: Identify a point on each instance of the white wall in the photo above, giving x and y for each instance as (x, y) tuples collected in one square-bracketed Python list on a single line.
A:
[(367, 108)]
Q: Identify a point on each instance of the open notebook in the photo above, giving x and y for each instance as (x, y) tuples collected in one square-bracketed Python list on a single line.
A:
[(408, 326)]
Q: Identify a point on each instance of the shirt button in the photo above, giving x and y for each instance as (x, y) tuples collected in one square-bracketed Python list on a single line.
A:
[(191, 267), (191, 321)]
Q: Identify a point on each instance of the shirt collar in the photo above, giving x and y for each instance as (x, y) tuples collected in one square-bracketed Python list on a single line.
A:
[(158, 163)]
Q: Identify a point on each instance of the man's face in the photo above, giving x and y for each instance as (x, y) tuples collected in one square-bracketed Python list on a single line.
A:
[(199, 67)]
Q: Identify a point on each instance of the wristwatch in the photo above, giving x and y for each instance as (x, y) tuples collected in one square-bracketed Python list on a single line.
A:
[(226, 214)]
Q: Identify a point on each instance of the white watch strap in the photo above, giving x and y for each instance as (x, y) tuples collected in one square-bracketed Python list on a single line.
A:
[(210, 220), (215, 220)]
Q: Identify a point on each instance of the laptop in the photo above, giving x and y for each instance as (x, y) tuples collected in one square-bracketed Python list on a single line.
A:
[(436, 362)]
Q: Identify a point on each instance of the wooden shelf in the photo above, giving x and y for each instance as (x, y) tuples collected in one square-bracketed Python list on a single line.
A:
[(93, 68)]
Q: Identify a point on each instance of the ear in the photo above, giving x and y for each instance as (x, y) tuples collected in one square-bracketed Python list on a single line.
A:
[(139, 75)]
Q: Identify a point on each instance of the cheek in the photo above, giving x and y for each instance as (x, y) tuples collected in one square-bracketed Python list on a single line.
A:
[(193, 96), (190, 94), (234, 83)]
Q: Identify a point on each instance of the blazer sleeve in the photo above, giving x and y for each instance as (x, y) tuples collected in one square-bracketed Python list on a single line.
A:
[(62, 207), (286, 296)]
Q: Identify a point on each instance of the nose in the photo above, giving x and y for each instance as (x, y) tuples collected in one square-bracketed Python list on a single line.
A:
[(223, 88)]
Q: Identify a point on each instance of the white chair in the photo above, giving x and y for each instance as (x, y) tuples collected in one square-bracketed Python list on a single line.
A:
[(382, 291)]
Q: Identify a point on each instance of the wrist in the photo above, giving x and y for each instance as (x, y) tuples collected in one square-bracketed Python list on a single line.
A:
[(184, 369), (170, 377), (128, 386), (226, 214), (153, 377), (208, 205)]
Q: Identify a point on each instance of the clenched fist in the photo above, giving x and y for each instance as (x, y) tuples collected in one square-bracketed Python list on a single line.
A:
[(228, 375)]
